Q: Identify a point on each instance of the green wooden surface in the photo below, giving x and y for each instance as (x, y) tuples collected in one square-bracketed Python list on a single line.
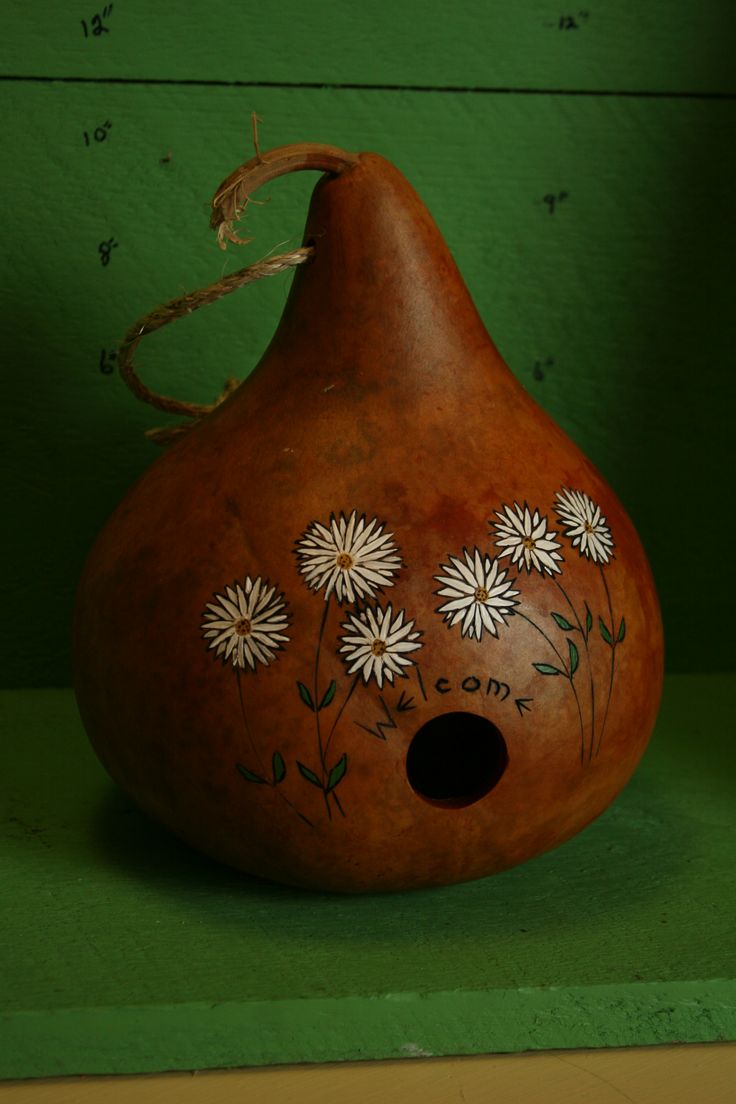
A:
[(622, 299), (604, 44), (124, 951)]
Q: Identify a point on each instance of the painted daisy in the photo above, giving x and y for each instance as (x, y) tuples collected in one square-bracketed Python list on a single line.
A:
[(480, 596), (377, 644), (352, 557), (524, 537), (585, 525), (246, 623)]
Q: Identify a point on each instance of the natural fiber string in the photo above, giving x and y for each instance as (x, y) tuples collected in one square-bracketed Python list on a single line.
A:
[(178, 308), (228, 207)]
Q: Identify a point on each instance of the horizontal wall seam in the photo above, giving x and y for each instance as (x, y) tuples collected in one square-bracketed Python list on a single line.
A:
[(328, 86)]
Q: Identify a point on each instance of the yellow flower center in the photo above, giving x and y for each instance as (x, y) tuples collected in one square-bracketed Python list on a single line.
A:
[(528, 543), (344, 561), (242, 627), (378, 647), (481, 594), (588, 527)]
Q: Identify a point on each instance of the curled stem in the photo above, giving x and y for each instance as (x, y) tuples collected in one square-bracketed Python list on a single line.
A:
[(228, 205), (233, 195)]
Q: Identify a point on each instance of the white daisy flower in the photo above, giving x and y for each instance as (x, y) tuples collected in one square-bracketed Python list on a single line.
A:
[(352, 557), (524, 537), (246, 624), (377, 644), (585, 525), (480, 595)]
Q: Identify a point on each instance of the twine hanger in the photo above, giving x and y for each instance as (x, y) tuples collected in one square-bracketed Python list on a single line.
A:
[(228, 206)]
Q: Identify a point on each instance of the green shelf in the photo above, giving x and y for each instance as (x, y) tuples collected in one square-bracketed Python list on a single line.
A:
[(123, 951)]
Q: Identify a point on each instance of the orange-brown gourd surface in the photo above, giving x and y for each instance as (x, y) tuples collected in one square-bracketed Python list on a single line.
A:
[(376, 623)]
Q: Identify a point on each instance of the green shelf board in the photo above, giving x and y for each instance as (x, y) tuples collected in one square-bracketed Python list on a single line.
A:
[(123, 951)]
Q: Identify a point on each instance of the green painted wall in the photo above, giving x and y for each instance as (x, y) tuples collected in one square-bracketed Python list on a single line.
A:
[(615, 311)]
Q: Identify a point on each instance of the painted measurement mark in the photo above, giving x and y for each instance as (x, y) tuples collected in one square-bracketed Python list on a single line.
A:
[(96, 25), (569, 22), (105, 249), (99, 134), (107, 361), (553, 200), (541, 367)]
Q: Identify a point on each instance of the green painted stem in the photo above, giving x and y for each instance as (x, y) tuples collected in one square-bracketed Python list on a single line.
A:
[(584, 635), (246, 726), (551, 643), (336, 721), (259, 761), (315, 692), (568, 676), (263, 770), (614, 645)]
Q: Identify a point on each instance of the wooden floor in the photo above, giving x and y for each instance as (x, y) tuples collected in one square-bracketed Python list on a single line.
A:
[(646, 1075)]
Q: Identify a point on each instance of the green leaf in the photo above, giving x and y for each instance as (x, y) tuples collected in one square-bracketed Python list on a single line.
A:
[(337, 773), (309, 775), (562, 622), (574, 657), (545, 669), (329, 694), (305, 696), (278, 767), (621, 630), (604, 631), (249, 775), (588, 620)]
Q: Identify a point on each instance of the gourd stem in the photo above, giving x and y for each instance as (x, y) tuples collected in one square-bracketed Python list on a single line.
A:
[(232, 197), (228, 205)]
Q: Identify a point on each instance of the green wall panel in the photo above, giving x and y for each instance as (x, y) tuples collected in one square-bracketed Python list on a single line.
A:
[(615, 311), (613, 44)]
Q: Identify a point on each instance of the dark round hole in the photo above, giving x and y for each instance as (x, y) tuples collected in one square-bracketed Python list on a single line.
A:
[(455, 759)]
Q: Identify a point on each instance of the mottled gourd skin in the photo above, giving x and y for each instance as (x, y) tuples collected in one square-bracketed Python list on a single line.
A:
[(379, 535)]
